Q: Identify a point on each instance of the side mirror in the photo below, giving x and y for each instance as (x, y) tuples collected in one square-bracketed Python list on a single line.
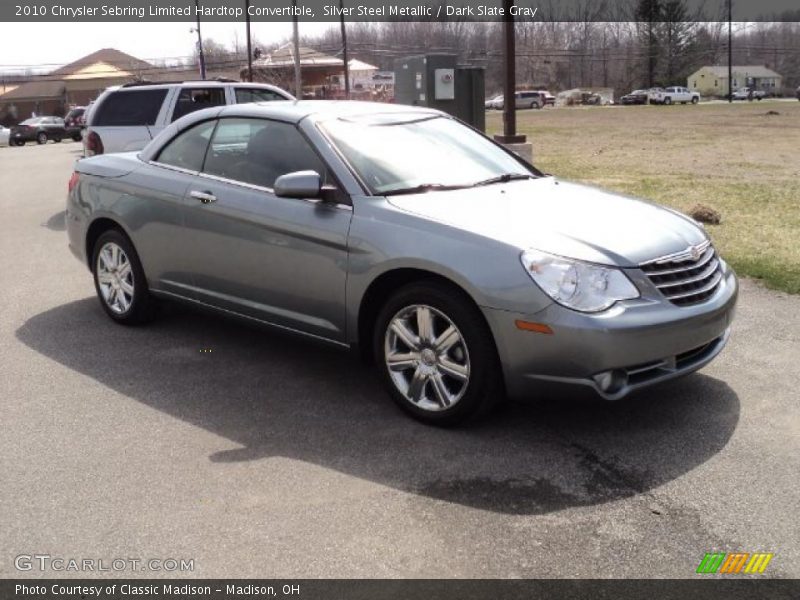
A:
[(300, 184)]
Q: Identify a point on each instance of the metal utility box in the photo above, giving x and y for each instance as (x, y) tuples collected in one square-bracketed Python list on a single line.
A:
[(436, 81)]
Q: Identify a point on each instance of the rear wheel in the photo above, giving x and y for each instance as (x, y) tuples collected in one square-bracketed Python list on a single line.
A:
[(41, 138), (667, 100), (695, 100), (119, 280), (436, 354)]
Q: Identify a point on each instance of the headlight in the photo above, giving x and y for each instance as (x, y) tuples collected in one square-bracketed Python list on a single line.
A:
[(578, 285)]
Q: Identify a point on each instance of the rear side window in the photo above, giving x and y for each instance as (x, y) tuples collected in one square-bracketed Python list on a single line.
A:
[(130, 107), (188, 149), (192, 99), (244, 95)]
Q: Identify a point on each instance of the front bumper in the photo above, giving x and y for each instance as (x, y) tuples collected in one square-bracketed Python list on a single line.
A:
[(630, 346)]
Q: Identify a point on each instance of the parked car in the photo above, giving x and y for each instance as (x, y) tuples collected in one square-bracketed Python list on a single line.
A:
[(39, 130), (126, 118), (549, 99), (529, 99), (748, 94), (462, 270), (673, 95), (635, 97), (75, 122), (495, 103), (5, 134)]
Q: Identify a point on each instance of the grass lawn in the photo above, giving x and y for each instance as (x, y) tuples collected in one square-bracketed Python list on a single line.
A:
[(734, 158)]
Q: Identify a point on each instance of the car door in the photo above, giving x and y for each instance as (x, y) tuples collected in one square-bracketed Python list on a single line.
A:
[(279, 260), (58, 128), (161, 190)]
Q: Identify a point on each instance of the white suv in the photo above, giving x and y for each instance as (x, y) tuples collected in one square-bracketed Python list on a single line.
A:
[(125, 118)]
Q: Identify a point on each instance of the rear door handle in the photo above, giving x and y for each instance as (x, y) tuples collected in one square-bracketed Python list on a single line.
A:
[(204, 197)]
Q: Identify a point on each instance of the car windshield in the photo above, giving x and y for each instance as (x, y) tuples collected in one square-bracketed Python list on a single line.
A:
[(392, 154)]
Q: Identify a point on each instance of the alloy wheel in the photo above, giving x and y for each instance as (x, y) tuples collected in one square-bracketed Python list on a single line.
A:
[(426, 357), (115, 278)]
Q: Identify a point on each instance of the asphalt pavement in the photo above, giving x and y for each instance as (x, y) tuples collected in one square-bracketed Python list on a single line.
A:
[(256, 454)]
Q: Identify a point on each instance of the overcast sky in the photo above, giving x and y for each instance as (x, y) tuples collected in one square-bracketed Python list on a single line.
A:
[(54, 44)]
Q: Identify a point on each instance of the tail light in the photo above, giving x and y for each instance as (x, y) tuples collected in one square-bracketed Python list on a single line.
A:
[(73, 181), (94, 145)]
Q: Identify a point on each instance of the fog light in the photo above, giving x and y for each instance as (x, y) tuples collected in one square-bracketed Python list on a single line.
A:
[(610, 382)]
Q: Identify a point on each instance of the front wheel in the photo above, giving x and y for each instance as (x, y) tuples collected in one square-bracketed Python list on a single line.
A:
[(436, 354), (41, 138), (119, 280), (667, 101), (695, 100)]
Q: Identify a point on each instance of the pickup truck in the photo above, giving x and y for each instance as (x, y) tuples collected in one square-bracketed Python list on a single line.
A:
[(673, 95), (744, 94)]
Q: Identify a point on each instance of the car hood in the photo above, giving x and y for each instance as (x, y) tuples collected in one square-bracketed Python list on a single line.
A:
[(567, 219)]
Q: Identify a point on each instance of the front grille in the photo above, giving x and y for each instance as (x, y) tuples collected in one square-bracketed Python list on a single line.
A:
[(683, 279)]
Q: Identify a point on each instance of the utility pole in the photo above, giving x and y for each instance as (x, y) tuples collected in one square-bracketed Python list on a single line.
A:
[(249, 42), (605, 60), (509, 80), (344, 55), (298, 83), (730, 52), (200, 54)]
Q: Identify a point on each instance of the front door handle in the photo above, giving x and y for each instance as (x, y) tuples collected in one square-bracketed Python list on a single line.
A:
[(204, 197)]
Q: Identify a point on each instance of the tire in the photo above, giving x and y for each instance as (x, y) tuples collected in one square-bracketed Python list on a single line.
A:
[(454, 383), (76, 138), (57, 140), (695, 100), (131, 305), (667, 101)]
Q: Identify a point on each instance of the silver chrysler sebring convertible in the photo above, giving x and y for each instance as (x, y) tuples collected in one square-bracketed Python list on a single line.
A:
[(462, 271)]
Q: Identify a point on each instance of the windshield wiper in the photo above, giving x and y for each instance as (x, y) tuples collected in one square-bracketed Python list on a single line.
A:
[(504, 178), (424, 187)]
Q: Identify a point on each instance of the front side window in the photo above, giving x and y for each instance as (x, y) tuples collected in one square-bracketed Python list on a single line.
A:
[(245, 95), (188, 149), (192, 99), (130, 107), (392, 154), (258, 151)]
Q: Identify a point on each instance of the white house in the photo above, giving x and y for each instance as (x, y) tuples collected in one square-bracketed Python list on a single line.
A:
[(713, 81)]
